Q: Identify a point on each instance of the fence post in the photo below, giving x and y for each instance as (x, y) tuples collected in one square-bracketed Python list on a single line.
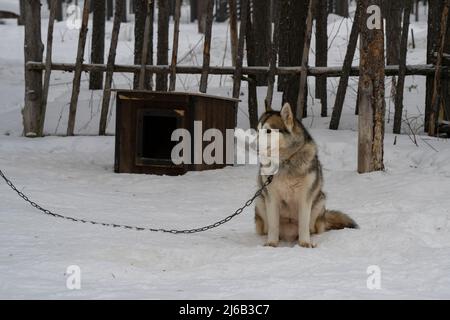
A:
[(207, 46), (402, 69), (78, 69), (110, 67), (240, 51), (302, 100), (176, 33), (33, 78), (48, 63), (346, 69)]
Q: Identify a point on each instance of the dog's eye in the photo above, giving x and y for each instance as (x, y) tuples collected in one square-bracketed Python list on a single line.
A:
[(269, 131)]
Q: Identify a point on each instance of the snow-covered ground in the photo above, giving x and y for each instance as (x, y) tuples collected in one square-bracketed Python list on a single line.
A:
[(403, 212)]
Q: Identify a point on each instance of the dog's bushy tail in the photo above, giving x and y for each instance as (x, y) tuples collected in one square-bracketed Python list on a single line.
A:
[(335, 220)]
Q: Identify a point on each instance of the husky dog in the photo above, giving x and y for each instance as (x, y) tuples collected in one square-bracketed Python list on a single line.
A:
[(292, 207)]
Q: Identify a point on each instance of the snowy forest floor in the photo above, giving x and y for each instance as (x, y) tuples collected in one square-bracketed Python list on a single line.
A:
[(403, 213)]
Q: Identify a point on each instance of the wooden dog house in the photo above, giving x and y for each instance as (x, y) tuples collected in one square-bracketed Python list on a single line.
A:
[(145, 121)]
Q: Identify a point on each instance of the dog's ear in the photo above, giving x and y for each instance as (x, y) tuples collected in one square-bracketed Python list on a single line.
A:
[(287, 116)]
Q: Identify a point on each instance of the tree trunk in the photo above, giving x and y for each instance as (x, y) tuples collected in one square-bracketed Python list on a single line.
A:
[(372, 103), (402, 66), (202, 9), (417, 10), (124, 12), (207, 46), (275, 10), (343, 82), (393, 30), (221, 11), (194, 9), (233, 30), (291, 41), (145, 78), (342, 8), (98, 44), (261, 33), (110, 67), (21, 20), (252, 79), (33, 78), (273, 63), (110, 9), (436, 99), (139, 39), (59, 11), (171, 8), (240, 52), (77, 73), (302, 101), (446, 80), (435, 8), (322, 53), (163, 43), (48, 63), (176, 33)]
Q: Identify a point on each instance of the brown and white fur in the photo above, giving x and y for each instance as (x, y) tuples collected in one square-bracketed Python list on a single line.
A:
[(292, 207)]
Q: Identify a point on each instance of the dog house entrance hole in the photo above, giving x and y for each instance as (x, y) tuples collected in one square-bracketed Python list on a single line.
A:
[(154, 136)]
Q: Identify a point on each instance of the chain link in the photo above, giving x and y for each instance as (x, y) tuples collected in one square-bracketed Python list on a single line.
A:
[(122, 226)]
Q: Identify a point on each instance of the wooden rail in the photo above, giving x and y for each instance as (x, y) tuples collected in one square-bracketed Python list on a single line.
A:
[(419, 70)]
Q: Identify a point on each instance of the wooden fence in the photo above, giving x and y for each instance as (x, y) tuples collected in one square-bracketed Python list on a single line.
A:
[(36, 92)]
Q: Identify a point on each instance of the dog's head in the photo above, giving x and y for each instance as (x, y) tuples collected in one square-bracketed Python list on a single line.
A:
[(290, 133)]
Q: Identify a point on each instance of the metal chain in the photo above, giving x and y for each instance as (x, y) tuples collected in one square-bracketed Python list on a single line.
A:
[(122, 226)]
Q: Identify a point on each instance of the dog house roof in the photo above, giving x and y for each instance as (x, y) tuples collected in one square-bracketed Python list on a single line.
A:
[(195, 94)]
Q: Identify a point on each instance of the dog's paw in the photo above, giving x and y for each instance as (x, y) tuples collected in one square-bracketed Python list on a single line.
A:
[(306, 244), (272, 244)]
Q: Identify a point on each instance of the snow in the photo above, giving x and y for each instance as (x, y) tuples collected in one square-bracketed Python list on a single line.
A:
[(402, 212), (10, 5)]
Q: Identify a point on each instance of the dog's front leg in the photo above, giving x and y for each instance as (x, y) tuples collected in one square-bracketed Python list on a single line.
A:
[(304, 219), (273, 222)]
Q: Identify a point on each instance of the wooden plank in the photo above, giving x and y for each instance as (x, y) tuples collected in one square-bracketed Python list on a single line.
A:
[(252, 81), (147, 29), (346, 72), (401, 77), (207, 47), (97, 42), (238, 71), (331, 72), (162, 54), (303, 90), (176, 34), (48, 64), (78, 69), (110, 68), (322, 53), (273, 64), (233, 30)]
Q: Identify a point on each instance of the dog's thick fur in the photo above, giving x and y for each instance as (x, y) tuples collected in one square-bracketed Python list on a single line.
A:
[(292, 207)]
